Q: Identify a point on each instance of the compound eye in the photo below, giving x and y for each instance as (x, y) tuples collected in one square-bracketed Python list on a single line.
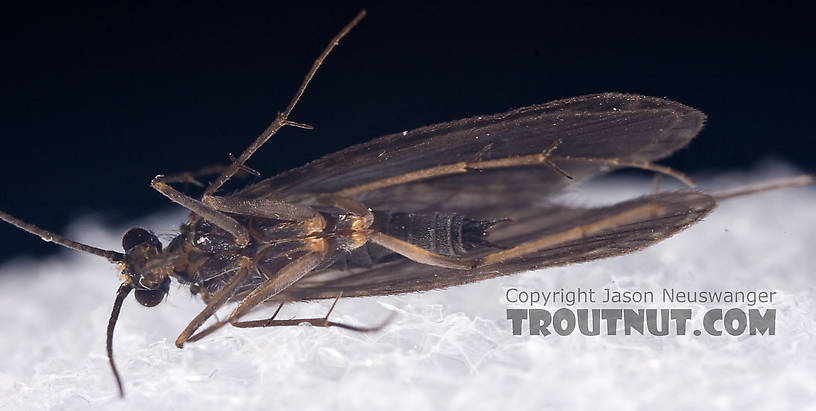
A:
[(152, 298), (149, 298), (137, 236)]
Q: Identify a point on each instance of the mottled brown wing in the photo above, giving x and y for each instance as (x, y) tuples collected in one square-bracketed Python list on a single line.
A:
[(609, 125), (682, 209)]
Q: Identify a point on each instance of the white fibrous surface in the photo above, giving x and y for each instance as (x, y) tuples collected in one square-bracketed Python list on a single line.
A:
[(446, 349)]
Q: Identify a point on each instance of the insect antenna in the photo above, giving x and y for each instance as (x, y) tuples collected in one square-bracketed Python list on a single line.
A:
[(121, 294), (50, 237)]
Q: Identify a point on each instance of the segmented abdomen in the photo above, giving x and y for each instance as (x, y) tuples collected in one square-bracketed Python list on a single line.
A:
[(443, 233)]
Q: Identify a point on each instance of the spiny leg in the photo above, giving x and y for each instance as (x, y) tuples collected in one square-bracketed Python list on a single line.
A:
[(424, 256), (545, 158), (218, 324), (284, 278), (283, 118), (216, 301), (619, 162), (317, 322), (634, 215), (191, 177), (801, 180), (213, 209), (272, 322), (287, 276)]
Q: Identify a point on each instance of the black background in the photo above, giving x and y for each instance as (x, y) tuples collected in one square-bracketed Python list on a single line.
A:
[(98, 99)]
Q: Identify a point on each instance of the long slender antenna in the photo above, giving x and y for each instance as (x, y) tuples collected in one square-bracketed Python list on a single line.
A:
[(50, 237), (283, 118), (123, 292)]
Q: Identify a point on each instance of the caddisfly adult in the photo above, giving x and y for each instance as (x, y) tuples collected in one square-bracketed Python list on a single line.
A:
[(438, 206)]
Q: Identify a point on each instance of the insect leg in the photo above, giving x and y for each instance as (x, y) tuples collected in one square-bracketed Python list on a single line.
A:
[(657, 182), (619, 162), (634, 215), (212, 328), (191, 177), (424, 256), (272, 322), (544, 158), (216, 302), (420, 254), (350, 205), (283, 118), (287, 276), (345, 203), (262, 207), (317, 322), (802, 180), (216, 217)]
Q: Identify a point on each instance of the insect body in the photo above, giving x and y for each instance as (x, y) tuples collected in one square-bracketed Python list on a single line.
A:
[(206, 253), (438, 206)]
